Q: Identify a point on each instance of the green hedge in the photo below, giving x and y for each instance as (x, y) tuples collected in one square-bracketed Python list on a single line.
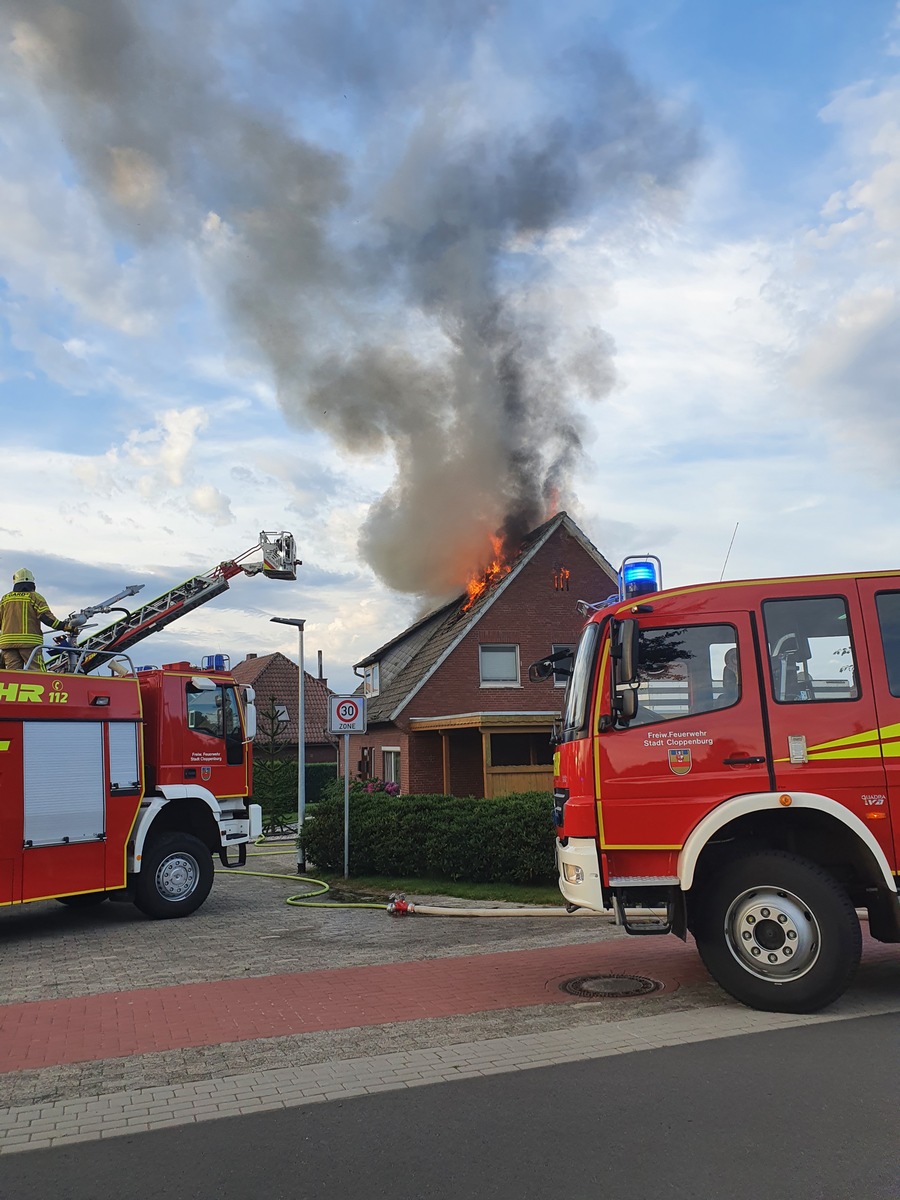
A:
[(506, 840), (318, 777), (275, 788)]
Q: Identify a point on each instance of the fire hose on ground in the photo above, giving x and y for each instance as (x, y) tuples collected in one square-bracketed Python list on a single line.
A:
[(398, 905)]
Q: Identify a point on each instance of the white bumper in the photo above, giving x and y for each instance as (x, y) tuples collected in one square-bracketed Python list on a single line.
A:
[(579, 873)]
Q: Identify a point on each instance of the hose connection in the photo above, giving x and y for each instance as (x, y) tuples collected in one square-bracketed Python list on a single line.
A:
[(398, 906)]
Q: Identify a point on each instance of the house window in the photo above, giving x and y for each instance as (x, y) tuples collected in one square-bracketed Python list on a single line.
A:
[(562, 668), (370, 680), (390, 764), (521, 750), (499, 666)]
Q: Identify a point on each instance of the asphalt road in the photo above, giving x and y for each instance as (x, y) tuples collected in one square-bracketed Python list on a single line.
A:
[(804, 1114)]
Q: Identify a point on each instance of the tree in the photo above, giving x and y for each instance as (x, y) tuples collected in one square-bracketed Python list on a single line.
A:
[(274, 773)]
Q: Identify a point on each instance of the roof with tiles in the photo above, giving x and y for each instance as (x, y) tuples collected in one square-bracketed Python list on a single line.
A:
[(406, 661), (274, 677)]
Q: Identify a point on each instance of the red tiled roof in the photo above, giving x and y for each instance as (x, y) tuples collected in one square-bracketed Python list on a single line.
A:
[(274, 677)]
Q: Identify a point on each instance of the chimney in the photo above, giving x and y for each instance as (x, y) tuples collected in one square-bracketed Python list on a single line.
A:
[(249, 656), (320, 664)]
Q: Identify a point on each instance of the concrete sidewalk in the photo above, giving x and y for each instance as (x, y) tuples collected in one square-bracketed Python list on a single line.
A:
[(124, 1114), (114, 1024)]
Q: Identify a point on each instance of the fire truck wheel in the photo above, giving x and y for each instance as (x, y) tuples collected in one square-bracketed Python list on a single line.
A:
[(175, 877), (86, 900), (778, 933)]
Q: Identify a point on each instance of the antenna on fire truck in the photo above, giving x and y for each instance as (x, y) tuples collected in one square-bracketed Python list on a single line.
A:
[(728, 555)]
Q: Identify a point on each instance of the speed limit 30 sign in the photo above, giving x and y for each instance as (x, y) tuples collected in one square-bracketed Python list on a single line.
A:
[(347, 714)]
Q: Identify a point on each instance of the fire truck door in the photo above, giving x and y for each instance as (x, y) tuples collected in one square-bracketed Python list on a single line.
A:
[(823, 715), (881, 610), (697, 738), (214, 751)]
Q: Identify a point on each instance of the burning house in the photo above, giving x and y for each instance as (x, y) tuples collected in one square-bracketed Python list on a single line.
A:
[(450, 705)]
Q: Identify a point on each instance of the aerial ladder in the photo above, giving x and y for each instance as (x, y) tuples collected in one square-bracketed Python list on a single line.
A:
[(277, 559)]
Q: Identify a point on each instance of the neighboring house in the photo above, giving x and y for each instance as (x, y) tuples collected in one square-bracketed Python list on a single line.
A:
[(275, 676), (450, 707)]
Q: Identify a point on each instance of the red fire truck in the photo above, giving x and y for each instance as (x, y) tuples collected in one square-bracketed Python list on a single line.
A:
[(125, 785), (730, 753)]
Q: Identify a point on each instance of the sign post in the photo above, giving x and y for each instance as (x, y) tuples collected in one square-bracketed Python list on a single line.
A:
[(347, 714), (299, 623)]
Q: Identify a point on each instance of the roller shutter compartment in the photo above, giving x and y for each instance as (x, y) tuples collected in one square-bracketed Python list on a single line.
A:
[(64, 782)]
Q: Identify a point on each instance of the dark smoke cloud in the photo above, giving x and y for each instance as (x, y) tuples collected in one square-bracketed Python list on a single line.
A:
[(377, 221)]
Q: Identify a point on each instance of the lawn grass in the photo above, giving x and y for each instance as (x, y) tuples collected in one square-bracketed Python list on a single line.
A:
[(381, 886)]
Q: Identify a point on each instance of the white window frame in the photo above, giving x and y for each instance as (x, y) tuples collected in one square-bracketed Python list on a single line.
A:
[(371, 681), (555, 647), (499, 683), (390, 750)]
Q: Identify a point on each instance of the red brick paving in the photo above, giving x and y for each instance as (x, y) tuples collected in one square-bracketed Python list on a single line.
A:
[(113, 1024), (116, 1024)]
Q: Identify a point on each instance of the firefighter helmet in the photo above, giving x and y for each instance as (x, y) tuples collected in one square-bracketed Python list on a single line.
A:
[(23, 575)]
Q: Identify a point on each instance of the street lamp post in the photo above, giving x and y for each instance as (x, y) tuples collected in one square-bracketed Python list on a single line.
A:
[(298, 623)]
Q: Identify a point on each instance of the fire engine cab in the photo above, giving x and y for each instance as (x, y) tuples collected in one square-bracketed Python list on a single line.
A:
[(122, 785), (125, 785), (730, 753)]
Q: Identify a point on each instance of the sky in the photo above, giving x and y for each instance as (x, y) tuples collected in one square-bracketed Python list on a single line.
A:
[(395, 276)]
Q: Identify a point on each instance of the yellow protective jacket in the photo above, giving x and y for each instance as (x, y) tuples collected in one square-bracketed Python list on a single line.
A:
[(21, 614)]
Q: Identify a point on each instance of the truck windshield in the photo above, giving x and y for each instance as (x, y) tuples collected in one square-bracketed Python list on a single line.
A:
[(578, 693)]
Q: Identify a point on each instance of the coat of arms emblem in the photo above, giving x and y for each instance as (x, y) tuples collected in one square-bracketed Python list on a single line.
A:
[(680, 762)]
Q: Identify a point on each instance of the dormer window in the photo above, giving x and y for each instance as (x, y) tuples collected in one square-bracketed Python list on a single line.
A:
[(370, 680)]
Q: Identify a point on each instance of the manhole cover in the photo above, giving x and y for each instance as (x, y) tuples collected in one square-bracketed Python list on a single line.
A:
[(598, 987)]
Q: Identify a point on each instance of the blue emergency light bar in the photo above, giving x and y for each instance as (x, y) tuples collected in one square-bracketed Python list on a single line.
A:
[(215, 662), (640, 576)]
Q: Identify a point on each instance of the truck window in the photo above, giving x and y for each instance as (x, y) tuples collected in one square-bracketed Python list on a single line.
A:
[(234, 738), (204, 712), (888, 606), (686, 670), (215, 714), (578, 693), (810, 650)]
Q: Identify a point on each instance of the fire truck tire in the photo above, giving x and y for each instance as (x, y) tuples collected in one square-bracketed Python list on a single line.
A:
[(778, 933), (85, 900), (175, 877)]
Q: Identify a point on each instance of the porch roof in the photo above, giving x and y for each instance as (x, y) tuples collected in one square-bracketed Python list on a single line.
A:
[(483, 720)]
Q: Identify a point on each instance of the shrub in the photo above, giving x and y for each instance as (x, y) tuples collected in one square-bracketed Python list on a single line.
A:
[(505, 840), (318, 776)]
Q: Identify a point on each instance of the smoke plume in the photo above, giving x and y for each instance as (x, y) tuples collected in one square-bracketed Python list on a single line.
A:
[(378, 219)]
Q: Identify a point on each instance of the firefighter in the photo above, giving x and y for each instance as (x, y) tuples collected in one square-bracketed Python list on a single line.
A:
[(22, 611)]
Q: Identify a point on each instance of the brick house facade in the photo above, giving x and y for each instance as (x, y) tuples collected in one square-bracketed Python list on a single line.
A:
[(450, 705)]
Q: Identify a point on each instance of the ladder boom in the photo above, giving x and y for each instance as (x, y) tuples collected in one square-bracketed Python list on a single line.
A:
[(278, 562)]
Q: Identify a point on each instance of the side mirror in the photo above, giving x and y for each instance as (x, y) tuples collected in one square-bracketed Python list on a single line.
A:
[(625, 671), (249, 697), (627, 705), (550, 665), (540, 670), (625, 651)]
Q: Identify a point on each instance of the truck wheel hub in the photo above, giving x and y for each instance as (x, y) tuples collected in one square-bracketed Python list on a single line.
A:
[(177, 876), (772, 933)]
